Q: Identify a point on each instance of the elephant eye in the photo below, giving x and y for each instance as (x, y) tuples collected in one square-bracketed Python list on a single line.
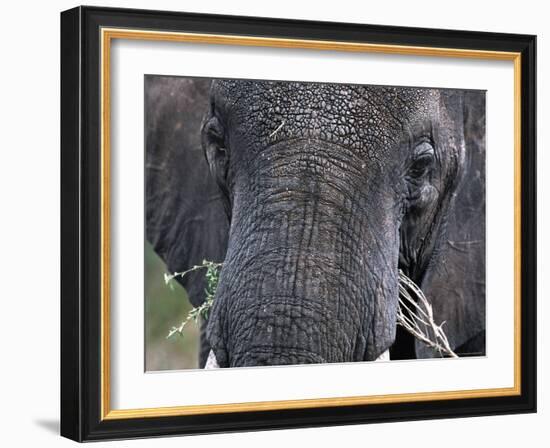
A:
[(423, 161), (421, 165), (215, 133)]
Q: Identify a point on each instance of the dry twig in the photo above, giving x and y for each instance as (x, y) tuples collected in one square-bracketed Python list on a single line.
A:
[(415, 314)]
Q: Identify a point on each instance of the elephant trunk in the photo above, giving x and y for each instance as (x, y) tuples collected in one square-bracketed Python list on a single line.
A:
[(310, 275)]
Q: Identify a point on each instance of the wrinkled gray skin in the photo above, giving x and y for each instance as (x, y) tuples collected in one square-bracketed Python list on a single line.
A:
[(314, 195)]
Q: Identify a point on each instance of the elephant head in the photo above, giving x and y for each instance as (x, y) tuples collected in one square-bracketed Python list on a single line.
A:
[(314, 196)]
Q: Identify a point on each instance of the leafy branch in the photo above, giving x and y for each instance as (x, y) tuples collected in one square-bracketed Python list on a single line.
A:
[(212, 278)]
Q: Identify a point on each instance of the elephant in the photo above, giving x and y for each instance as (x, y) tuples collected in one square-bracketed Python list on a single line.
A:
[(314, 196)]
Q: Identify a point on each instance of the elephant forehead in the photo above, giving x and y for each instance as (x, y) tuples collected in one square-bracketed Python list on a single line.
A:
[(355, 116)]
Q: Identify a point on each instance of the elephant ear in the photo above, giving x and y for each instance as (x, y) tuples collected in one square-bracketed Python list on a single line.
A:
[(455, 281), (185, 218)]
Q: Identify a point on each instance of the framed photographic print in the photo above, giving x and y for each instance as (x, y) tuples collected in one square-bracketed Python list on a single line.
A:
[(272, 224)]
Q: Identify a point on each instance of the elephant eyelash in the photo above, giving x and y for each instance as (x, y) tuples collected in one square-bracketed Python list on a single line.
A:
[(426, 137)]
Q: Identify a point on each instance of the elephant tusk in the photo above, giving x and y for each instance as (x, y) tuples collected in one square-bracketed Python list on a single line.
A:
[(211, 362), (384, 356)]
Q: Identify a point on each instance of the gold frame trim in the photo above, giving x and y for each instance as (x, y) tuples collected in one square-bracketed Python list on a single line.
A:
[(107, 35)]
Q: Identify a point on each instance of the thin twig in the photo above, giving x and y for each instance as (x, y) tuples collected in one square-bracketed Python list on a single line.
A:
[(411, 294), (206, 264), (278, 129)]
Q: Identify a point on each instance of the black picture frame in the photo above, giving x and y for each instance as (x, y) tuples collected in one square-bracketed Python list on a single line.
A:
[(81, 288)]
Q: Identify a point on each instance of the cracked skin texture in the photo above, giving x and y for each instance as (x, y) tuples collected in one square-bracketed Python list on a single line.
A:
[(327, 190)]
